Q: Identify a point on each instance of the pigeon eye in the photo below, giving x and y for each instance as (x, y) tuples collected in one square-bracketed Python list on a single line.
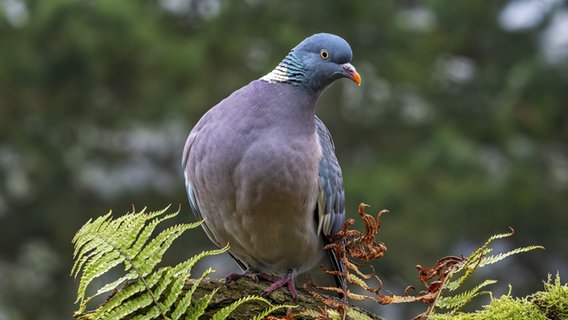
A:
[(324, 54)]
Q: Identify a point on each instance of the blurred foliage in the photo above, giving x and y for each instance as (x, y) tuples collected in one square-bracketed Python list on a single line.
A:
[(459, 129)]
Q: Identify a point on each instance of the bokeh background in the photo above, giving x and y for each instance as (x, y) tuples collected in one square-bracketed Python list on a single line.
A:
[(460, 127)]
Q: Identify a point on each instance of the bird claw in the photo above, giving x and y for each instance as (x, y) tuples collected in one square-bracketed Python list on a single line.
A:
[(277, 282), (287, 280)]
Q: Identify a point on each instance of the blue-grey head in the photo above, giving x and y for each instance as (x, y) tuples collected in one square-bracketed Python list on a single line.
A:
[(316, 63)]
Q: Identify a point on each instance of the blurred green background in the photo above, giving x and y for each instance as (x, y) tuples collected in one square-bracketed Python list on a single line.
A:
[(460, 127)]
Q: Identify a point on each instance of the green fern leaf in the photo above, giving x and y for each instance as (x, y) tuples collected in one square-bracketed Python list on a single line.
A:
[(111, 286), (469, 266), (224, 313), (93, 271), (97, 266), (499, 236), (484, 249), (184, 303), (86, 244), (128, 307), (125, 294), (99, 247), (153, 313), (480, 258), (498, 257), (81, 241), (270, 310), (186, 266), (179, 273), (198, 308), (163, 284), (153, 252), (105, 243), (457, 301), (150, 293), (147, 231), (143, 234), (133, 291), (175, 291)]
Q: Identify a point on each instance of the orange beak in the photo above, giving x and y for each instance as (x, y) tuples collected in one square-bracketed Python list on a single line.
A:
[(351, 73), (356, 78)]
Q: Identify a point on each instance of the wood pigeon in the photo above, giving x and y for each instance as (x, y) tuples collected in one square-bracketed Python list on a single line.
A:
[(261, 169)]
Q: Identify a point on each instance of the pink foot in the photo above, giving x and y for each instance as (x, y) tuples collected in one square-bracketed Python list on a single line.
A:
[(287, 280)]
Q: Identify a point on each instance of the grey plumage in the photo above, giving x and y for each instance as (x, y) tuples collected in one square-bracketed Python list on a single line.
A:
[(261, 167), (331, 201)]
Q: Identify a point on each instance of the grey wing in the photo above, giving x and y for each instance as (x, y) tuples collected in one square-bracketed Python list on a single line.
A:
[(331, 197)]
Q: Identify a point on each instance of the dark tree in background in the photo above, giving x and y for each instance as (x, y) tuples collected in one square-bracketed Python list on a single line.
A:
[(460, 127)]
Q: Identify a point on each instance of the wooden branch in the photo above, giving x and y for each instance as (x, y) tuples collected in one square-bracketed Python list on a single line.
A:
[(228, 293)]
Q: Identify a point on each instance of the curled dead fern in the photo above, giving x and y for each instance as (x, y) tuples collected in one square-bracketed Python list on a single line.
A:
[(357, 248)]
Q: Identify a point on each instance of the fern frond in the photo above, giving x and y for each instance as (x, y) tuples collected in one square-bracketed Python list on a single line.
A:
[(484, 249), (198, 308), (112, 285), (183, 270), (184, 303), (498, 257), (186, 266), (174, 292), (153, 313), (132, 291), (98, 265), (103, 244), (480, 258), (456, 302), (468, 267), (152, 253), (499, 236), (128, 308), (148, 229), (148, 292), (84, 243), (271, 310), (224, 313)]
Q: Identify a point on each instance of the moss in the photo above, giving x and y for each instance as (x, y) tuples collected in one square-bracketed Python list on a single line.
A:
[(506, 307), (553, 301)]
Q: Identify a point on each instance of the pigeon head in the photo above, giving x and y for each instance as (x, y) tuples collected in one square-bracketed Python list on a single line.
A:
[(316, 63)]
